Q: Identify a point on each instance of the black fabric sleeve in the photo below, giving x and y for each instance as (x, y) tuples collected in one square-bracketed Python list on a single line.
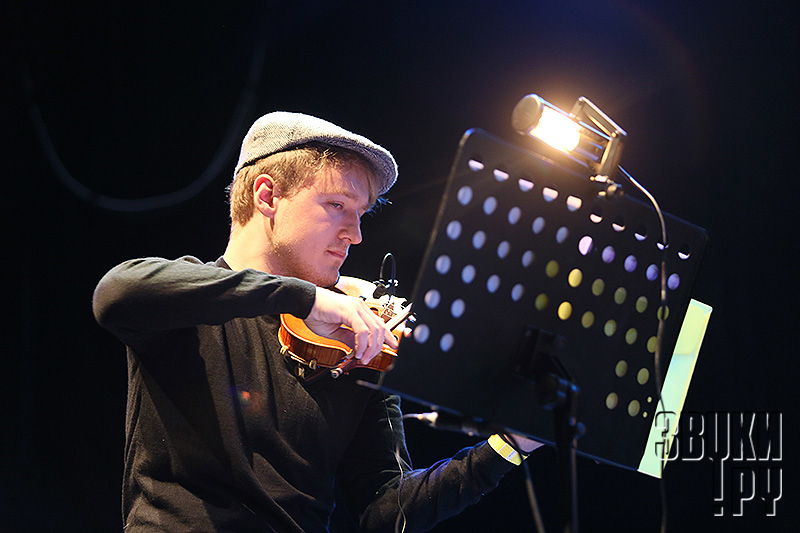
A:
[(151, 295), (383, 497)]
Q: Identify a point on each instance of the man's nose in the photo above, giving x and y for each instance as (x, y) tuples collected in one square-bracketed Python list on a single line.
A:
[(352, 229)]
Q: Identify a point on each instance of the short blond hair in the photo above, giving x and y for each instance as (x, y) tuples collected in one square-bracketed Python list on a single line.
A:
[(293, 170)]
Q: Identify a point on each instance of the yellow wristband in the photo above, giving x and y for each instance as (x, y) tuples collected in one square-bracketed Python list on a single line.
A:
[(505, 450)]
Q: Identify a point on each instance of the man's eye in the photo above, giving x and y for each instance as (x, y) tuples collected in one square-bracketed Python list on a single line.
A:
[(336, 205)]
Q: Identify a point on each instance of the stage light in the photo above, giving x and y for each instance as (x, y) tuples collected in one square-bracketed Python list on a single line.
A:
[(587, 134), (556, 129)]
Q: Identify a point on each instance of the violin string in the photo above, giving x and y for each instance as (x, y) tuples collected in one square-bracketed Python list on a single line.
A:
[(402, 514)]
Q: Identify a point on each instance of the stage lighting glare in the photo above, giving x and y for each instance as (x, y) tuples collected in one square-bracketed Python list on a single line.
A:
[(557, 130)]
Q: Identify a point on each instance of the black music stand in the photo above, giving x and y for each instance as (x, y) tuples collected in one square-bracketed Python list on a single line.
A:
[(534, 288)]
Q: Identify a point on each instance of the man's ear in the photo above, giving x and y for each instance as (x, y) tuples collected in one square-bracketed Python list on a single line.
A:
[(264, 195)]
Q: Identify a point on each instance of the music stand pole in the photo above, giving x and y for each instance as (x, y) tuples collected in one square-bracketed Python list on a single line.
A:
[(566, 430), (557, 392)]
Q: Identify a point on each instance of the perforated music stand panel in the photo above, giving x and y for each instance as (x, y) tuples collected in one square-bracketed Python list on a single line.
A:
[(525, 258)]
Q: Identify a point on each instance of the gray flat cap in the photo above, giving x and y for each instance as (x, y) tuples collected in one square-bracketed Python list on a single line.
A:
[(281, 131)]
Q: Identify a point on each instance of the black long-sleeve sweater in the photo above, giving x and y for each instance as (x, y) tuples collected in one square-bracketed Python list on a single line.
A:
[(220, 436)]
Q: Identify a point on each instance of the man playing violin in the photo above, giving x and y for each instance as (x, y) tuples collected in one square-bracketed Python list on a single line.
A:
[(221, 435)]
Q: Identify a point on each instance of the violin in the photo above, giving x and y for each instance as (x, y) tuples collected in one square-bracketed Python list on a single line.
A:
[(317, 353)]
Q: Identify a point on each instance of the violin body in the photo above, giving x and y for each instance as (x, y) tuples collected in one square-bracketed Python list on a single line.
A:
[(316, 352)]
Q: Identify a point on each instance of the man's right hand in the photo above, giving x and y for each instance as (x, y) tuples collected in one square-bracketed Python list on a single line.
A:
[(364, 330)]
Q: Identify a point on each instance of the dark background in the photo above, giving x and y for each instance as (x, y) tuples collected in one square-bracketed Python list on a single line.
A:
[(138, 101)]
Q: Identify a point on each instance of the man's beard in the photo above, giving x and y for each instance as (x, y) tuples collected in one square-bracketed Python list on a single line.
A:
[(293, 266)]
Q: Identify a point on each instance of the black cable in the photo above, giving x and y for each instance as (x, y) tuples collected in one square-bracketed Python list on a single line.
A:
[(221, 158), (386, 286), (388, 257), (532, 500), (662, 317)]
